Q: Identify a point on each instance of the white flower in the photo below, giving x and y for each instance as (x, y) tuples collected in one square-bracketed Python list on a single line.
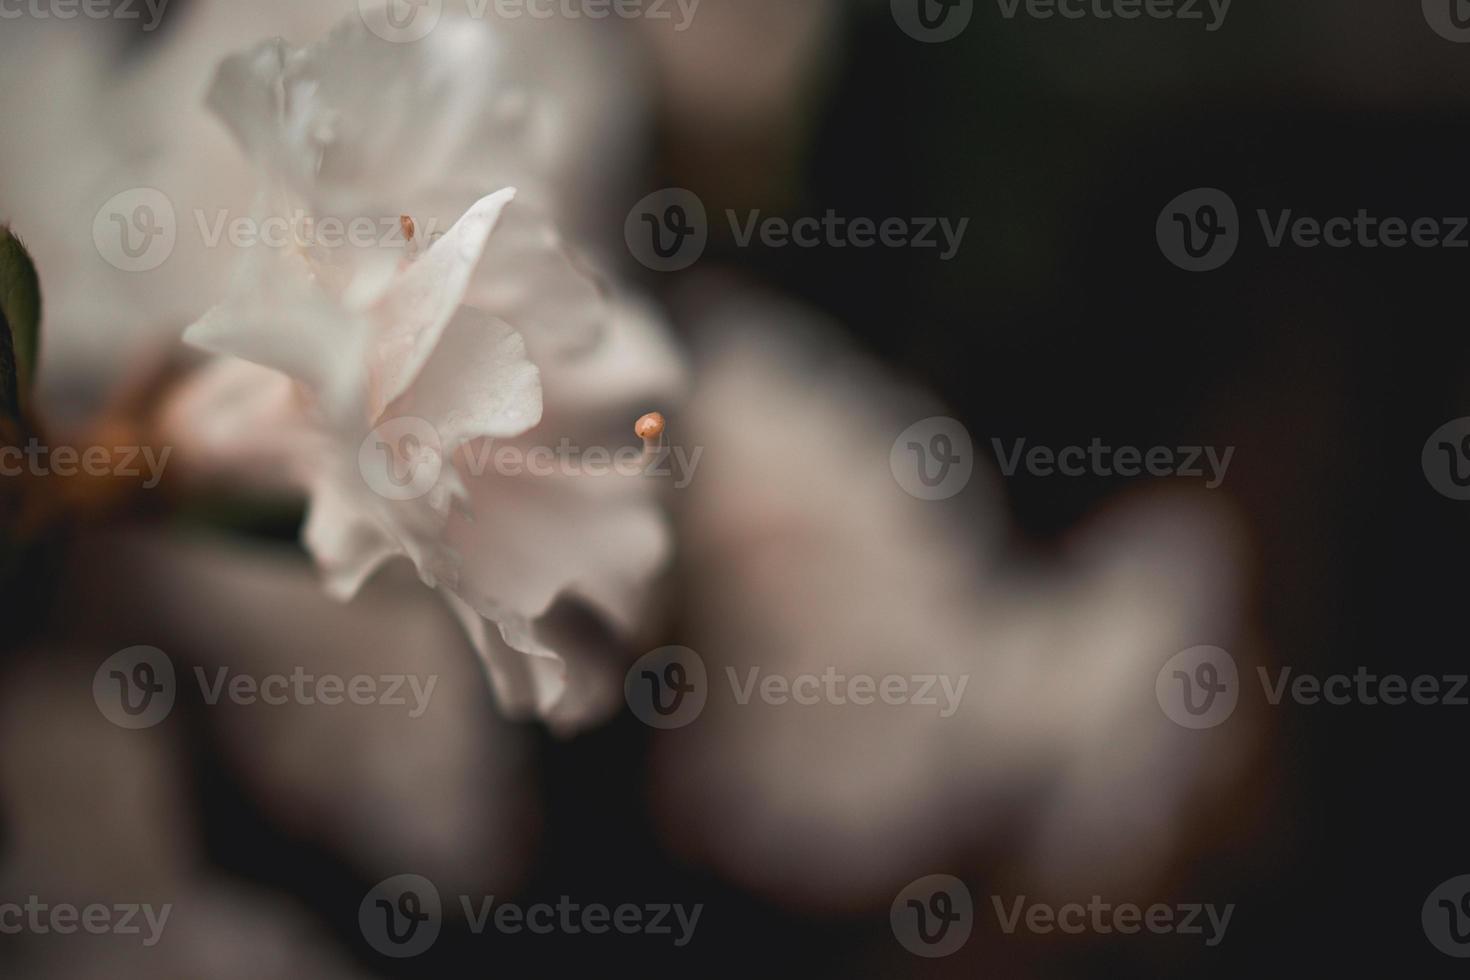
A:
[(371, 364), (552, 108), (803, 555)]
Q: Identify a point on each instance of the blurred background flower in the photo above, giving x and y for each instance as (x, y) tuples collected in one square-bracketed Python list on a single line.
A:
[(792, 373)]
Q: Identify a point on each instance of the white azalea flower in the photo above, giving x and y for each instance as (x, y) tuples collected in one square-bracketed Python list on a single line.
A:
[(553, 108), (802, 555), (371, 367)]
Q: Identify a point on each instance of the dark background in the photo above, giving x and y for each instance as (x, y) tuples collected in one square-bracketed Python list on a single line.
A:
[(1060, 321)]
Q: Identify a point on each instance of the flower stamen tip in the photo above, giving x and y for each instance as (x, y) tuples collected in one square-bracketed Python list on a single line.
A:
[(650, 426)]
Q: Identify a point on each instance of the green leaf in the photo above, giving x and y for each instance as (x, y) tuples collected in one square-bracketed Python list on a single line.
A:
[(20, 322)]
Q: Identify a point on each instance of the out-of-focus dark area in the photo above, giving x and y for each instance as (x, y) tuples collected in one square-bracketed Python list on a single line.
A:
[(1058, 321)]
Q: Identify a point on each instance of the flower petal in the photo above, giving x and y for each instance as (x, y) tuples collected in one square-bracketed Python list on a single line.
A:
[(239, 422), (478, 383), (280, 318), (529, 280), (528, 679), (419, 304), (535, 538), (345, 539)]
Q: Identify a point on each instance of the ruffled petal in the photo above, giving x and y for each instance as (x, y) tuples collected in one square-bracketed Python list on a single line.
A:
[(477, 383), (346, 540), (528, 679), (535, 538), (280, 318), (420, 302), (528, 279)]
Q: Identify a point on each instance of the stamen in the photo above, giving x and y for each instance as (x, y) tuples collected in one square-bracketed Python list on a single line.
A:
[(649, 427), (406, 223)]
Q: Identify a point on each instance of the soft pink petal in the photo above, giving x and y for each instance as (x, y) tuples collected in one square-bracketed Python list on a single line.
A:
[(419, 304), (529, 280), (477, 383)]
